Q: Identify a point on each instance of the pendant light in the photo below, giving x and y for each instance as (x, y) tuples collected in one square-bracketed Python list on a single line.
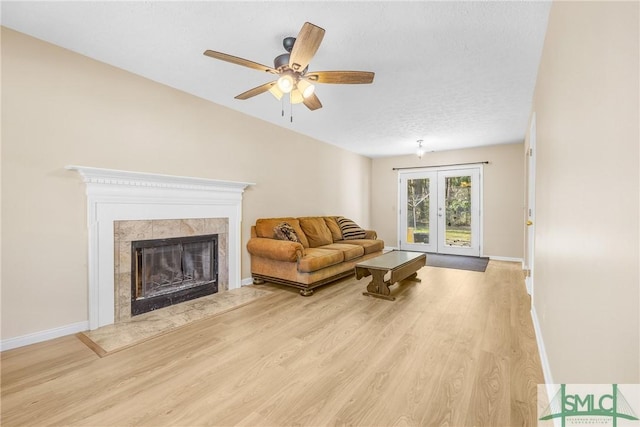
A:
[(420, 151)]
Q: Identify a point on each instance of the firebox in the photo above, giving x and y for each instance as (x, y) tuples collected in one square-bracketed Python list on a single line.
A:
[(170, 271)]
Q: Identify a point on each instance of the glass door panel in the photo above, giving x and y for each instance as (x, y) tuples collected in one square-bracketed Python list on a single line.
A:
[(418, 223), (440, 211), (457, 207), (459, 212), (418, 210)]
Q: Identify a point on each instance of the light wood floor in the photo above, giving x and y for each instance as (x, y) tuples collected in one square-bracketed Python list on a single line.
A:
[(457, 349)]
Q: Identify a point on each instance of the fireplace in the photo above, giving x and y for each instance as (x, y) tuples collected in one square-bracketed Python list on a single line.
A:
[(162, 262), (170, 271), (123, 206)]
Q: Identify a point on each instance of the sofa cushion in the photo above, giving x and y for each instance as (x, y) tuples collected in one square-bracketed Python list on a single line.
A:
[(316, 259), (284, 231), (350, 230), (316, 231), (332, 223), (368, 245), (265, 226), (349, 251)]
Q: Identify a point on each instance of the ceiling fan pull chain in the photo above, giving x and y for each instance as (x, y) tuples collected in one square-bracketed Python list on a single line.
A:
[(290, 109)]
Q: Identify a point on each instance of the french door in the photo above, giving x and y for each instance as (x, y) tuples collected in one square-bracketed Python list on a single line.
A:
[(440, 211)]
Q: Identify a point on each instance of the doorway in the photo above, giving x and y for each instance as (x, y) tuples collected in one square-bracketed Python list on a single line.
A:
[(440, 210), (531, 205)]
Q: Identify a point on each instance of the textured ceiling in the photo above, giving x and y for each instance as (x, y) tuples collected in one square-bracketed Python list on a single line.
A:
[(455, 74)]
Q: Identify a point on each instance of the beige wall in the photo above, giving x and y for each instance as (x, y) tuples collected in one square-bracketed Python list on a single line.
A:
[(503, 194), (586, 282), (61, 108)]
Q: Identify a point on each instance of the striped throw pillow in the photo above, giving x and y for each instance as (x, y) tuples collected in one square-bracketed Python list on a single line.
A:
[(350, 230)]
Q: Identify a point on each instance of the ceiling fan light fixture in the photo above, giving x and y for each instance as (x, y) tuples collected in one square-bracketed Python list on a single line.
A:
[(296, 96), (286, 83), (305, 88), (276, 92)]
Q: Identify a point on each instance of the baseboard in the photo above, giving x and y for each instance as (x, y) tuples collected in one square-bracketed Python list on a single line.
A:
[(546, 368), (503, 258), (36, 337), (529, 284), (247, 281), (495, 258)]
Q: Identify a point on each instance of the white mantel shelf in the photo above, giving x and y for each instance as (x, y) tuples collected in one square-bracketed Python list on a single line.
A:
[(116, 195), (119, 177)]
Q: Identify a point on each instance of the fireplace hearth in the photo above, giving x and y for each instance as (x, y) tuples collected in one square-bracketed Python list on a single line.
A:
[(170, 271)]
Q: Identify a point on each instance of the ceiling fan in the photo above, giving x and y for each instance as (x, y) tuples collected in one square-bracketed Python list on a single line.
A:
[(292, 68)]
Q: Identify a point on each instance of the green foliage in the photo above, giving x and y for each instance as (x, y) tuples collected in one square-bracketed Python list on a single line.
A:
[(418, 198), (457, 202)]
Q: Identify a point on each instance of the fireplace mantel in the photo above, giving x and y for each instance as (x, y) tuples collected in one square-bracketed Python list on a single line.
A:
[(114, 195), (116, 177)]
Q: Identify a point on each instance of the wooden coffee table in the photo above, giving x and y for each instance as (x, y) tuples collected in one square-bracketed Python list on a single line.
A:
[(402, 265)]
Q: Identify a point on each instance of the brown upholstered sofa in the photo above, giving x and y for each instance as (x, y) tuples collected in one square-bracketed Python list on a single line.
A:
[(321, 256)]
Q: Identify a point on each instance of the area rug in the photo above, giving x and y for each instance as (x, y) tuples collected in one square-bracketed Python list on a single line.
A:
[(113, 338), (457, 262)]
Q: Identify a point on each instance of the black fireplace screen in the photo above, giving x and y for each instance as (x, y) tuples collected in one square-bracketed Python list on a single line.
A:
[(169, 271)]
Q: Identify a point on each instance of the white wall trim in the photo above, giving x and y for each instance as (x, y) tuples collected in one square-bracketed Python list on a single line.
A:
[(504, 258), (246, 281), (49, 334), (495, 258), (544, 360), (115, 195), (528, 282)]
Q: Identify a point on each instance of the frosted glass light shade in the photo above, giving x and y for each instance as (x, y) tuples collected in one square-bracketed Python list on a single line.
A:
[(305, 88), (296, 96), (276, 92), (285, 83)]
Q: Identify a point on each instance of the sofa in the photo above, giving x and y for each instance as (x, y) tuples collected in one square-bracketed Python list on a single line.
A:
[(327, 249)]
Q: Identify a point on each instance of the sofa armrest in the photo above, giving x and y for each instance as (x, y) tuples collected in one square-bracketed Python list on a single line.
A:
[(278, 250), (370, 234)]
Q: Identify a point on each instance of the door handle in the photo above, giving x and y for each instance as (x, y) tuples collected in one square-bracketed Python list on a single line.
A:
[(529, 223)]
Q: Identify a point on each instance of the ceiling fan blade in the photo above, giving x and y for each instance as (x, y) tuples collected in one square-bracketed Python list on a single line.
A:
[(256, 91), (312, 102), (306, 45), (239, 61), (341, 77)]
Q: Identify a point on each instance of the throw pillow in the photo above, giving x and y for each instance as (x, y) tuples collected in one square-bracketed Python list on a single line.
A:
[(284, 231), (350, 230)]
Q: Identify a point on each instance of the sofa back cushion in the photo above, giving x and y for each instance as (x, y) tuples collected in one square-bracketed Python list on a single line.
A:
[(332, 223), (265, 228), (316, 231)]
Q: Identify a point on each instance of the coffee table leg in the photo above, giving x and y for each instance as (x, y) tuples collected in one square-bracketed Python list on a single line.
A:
[(378, 287), (414, 278)]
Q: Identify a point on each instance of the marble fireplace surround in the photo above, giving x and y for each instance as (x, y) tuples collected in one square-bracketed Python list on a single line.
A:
[(115, 195), (126, 232)]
